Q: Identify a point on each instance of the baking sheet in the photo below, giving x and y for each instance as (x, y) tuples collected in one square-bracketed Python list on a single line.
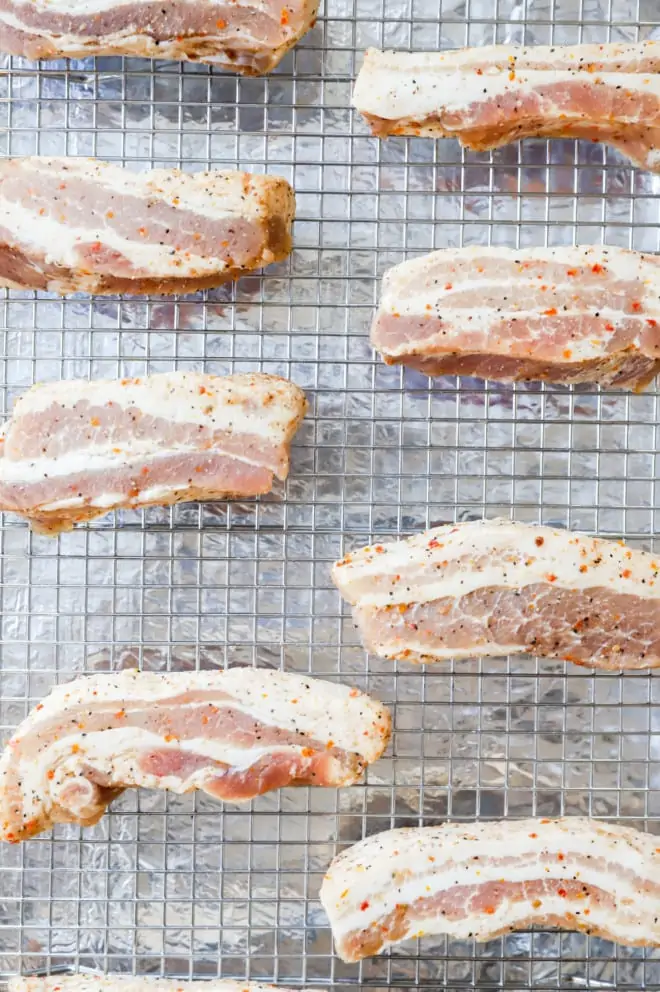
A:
[(183, 886)]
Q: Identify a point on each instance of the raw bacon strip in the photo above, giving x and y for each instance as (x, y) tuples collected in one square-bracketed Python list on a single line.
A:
[(130, 983), (490, 588), (72, 225), (249, 37), (482, 880), (233, 734), (75, 450), (487, 97), (566, 315)]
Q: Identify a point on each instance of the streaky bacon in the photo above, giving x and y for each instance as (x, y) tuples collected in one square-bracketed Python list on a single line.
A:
[(483, 880), (487, 97), (72, 451), (233, 734), (71, 225), (567, 315), (493, 587), (250, 37)]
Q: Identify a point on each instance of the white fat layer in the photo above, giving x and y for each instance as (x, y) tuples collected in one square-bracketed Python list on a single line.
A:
[(113, 753), (515, 851), (216, 195), (155, 494), (616, 56), (59, 244), (412, 571), (130, 983), (14, 473), (620, 263), (626, 924), (458, 321), (261, 405), (392, 649), (352, 720), (404, 86)]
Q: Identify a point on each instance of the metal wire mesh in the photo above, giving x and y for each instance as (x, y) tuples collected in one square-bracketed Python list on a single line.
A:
[(182, 886)]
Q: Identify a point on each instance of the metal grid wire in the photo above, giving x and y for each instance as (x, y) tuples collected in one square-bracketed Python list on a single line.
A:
[(183, 886)]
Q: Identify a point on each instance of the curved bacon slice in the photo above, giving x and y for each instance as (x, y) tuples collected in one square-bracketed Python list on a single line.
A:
[(482, 880), (487, 97), (75, 450), (233, 734), (71, 225), (566, 315), (492, 587), (131, 983), (249, 37)]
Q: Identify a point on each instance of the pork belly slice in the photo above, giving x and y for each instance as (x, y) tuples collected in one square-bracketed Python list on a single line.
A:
[(567, 315), (71, 225), (72, 451), (132, 983), (248, 37), (233, 734), (487, 97), (489, 588), (482, 880)]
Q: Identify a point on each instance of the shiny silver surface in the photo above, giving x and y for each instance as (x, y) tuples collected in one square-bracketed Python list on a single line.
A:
[(183, 886)]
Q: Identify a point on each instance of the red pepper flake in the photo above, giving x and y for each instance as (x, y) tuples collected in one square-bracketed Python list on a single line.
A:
[(651, 322), (364, 905), (567, 352), (562, 893), (583, 568), (552, 312), (551, 577), (539, 541), (142, 231), (537, 904), (145, 470), (560, 857), (353, 693), (609, 327), (533, 836), (479, 72), (449, 285), (284, 16), (220, 24), (119, 714), (626, 573), (110, 214), (51, 773), (571, 272), (636, 306), (597, 269)]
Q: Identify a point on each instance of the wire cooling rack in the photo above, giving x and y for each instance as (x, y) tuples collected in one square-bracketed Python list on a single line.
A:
[(183, 886)]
